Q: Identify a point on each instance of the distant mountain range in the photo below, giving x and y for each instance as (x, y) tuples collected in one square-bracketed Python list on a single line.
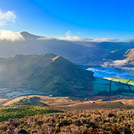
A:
[(48, 73), (82, 52)]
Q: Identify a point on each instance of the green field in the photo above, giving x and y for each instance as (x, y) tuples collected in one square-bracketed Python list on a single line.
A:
[(130, 82)]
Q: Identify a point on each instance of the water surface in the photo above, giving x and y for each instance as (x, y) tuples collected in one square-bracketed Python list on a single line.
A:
[(110, 72)]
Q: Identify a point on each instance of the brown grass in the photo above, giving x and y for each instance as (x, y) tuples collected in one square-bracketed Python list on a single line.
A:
[(115, 121), (71, 104)]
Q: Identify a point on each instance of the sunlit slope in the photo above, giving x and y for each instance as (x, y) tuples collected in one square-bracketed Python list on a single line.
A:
[(130, 55), (46, 72), (122, 54)]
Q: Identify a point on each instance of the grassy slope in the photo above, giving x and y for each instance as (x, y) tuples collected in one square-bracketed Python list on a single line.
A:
[(51, 101), (75, 104)]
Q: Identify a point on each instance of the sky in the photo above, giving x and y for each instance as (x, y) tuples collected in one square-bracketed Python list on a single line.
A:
[(94, 19)]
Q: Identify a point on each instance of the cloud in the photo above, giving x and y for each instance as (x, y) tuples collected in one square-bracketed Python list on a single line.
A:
[(116, 63), (104, 40), (119, 62), (101, 40), (128, 69), (11, 36), (68, 36), (45, 38), (6, 17)]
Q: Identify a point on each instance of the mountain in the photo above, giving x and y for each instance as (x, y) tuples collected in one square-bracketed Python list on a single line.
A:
[(29, 36), (84, 52), (47, 73)]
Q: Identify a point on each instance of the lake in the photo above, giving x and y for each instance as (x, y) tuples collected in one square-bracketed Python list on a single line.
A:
[(110, 72)]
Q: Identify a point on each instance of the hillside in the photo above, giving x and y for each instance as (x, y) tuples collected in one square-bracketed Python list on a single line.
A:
[(68, 103), (122, 59), (46, 73), (122, 54)]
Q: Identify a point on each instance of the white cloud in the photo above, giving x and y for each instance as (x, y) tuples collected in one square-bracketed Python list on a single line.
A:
[(119, 62), (11, 36), (44, 38), (130, 69), (68, 36), (5, 17), (105, 40), (116, 63)]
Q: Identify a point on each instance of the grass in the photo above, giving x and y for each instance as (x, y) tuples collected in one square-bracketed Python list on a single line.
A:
[(22, 111), (117, 79)]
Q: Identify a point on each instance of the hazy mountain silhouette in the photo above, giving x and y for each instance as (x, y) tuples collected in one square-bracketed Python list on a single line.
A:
[(79, 52)]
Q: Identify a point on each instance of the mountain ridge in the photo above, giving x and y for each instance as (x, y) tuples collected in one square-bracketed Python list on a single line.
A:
[(79, 52)]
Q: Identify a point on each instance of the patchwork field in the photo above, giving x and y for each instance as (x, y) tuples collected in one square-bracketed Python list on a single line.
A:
[(117, 86)]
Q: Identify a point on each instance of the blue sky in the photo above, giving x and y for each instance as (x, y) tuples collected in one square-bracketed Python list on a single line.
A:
[(83, 18)]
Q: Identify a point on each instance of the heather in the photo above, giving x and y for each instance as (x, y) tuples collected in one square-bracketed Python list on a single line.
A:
[(108, 121)]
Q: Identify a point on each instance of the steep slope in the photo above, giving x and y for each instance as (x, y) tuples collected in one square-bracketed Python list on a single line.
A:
[(47, 73)]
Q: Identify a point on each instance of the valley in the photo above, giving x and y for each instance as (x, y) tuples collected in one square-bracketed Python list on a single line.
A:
[(38, 86), (66, 67), (22, 84)]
